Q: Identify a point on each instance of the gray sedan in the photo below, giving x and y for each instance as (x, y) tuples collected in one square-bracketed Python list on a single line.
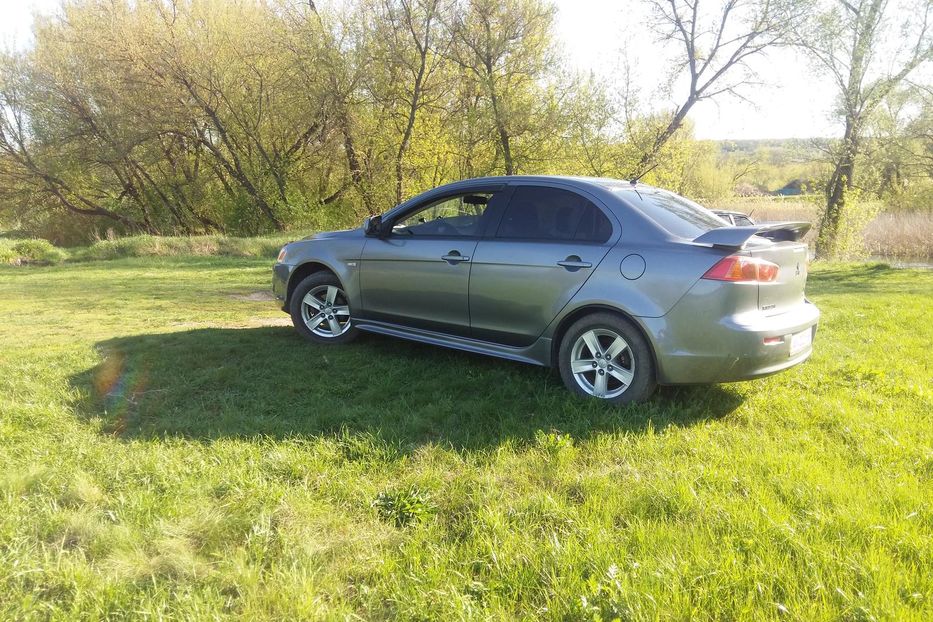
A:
[(621, 286)]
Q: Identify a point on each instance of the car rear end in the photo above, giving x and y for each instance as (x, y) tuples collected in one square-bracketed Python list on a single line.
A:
[(748, 315), (746, 318)]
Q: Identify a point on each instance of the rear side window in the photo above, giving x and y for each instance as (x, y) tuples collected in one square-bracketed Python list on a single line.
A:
[(541, 213), (594, 226), (679, 216)]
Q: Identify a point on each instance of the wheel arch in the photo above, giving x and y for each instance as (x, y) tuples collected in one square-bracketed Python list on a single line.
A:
[(302, 272), (568, 320)]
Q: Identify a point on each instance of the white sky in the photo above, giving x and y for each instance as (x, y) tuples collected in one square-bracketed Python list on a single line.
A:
[(792, 104)]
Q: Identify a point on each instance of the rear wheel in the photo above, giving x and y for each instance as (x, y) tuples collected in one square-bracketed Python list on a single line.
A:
[(604, 356), (320, 310)]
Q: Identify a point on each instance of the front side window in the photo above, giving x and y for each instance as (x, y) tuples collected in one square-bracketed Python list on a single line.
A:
[(457, 216), (542, 213)]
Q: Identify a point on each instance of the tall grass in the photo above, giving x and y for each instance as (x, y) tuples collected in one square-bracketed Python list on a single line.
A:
[(898, 235), (197, 246), (35, 251), (17, 252)]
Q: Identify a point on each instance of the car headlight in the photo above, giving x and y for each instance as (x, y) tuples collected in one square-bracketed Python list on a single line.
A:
[(282, 253)]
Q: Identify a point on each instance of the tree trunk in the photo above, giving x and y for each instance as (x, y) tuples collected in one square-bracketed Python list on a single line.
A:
[(839, 184), (233, 166), (648, 159), (409, 127), (354, 163), (504, 138)]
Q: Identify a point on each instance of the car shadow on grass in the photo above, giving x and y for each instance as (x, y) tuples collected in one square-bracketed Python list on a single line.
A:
[(855, 279), (216, 383)]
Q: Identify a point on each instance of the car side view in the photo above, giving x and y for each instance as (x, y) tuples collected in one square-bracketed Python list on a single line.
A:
[(619, 285)]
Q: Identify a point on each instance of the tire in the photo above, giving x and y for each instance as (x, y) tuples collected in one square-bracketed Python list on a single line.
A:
[(321, 296), (627, 376)]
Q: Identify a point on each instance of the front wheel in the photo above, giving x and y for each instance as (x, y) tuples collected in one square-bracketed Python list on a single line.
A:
[(604, 356), (320, 310)]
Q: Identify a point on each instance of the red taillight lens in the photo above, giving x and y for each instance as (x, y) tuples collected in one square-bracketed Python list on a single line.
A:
[(742, 269)]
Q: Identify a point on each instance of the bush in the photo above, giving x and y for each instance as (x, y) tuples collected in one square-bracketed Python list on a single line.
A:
[(30, 251), (205, 245), (849, 243)]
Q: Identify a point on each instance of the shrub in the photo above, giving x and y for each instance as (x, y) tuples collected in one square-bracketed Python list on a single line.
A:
[(848, 243), (205, 245), (31, 251)]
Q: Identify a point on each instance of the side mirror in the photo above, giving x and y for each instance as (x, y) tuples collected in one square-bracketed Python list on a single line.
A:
[(372, 226)]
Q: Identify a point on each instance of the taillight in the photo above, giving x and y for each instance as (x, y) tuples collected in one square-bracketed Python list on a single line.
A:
[(742, 269)]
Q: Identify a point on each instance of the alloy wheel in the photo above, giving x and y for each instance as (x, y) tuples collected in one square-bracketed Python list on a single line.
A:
[(602, 363), (325, 311)]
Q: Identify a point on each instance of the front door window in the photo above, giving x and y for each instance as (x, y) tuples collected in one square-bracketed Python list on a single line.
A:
[(457, 216)]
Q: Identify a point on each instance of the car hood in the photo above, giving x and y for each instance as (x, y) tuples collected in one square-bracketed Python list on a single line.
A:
[(330, 235)]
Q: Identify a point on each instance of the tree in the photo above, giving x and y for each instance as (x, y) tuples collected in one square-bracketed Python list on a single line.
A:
[(411, 45), (716, 46), (867, 53), (506, 48), (35, 158)]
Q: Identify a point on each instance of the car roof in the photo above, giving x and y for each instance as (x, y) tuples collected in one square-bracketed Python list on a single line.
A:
[(728, 211), (600, 186), (601, 182)]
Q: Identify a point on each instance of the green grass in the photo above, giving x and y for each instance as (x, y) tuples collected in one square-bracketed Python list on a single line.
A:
[(170, 449)]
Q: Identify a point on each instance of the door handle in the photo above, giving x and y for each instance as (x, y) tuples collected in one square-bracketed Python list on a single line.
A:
[(454, 257), (574, 263)]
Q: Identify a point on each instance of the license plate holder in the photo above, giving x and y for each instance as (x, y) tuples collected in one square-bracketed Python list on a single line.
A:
[(801, 341)]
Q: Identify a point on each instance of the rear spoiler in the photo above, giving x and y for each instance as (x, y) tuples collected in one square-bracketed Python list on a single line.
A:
[(736, 237)]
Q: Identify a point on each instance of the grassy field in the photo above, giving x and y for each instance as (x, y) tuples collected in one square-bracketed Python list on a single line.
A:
[(169, 448)]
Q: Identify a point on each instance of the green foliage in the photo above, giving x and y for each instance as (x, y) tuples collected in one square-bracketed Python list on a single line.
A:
[(405, 506), (163, 246), (30, 251), (251, 117), (847, 241)]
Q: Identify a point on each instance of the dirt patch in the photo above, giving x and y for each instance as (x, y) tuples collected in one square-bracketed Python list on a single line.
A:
[(254, 297)]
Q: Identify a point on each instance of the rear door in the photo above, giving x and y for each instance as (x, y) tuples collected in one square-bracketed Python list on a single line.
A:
[(547, 244), (418, 274)]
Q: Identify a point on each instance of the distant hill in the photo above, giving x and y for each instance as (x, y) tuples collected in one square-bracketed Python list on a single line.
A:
[(784, 167)]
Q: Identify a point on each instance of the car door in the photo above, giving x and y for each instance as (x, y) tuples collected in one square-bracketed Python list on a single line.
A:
[(547, 243), (417, 274)]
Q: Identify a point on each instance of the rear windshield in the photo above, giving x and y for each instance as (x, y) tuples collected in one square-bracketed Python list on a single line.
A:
[(679, 216)]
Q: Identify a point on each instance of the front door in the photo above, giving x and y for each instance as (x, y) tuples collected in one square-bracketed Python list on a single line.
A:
[(418, 274), (546, 246)]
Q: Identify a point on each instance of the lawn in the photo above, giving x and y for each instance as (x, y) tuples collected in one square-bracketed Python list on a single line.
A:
[(169, 448)]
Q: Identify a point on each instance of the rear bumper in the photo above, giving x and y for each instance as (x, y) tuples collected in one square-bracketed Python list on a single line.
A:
[(693, 346)]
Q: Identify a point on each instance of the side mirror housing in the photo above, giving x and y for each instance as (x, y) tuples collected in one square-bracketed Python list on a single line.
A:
[(372, 226)]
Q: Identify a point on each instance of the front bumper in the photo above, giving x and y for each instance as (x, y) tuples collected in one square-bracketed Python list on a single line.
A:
[(693, 347), (280, 274)]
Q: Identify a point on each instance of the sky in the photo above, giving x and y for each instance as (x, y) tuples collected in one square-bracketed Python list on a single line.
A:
[(592, 34)]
